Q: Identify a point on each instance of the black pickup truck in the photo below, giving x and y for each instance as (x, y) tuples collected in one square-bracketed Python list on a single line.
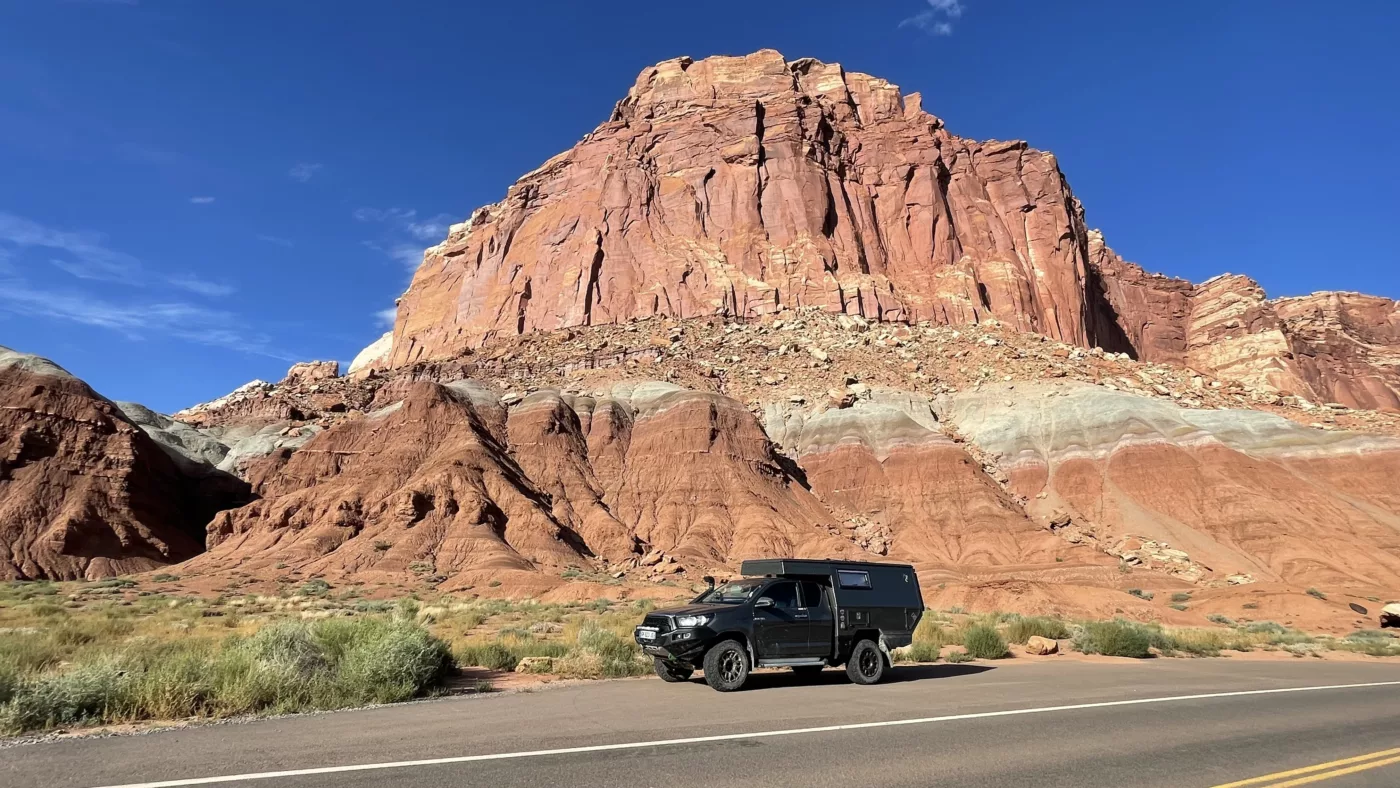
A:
[(791, 613)]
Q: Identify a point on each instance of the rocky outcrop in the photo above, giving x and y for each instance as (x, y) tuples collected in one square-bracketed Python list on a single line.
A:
[(1326, 347), (84, 491), (745, 185)]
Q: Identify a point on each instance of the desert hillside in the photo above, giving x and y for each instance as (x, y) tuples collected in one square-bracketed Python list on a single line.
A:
[(768, 308)]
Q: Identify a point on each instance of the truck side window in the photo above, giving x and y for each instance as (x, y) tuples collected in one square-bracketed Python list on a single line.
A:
[(854, 580), (784, 595), (813, 595)]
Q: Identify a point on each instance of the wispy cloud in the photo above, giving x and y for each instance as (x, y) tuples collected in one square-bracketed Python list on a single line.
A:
[(201, 200), (386, 317), (304, 171), (402, 224), (937, 18), (408, 255), (273, 239), (90, 259), (187, 322), (203, 287)]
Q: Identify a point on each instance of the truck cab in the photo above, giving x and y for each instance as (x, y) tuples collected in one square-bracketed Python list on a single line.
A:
[(800, 614)]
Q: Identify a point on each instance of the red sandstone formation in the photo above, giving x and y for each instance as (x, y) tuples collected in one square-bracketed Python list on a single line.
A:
[(84, 493), (745, 185), (741, 186)]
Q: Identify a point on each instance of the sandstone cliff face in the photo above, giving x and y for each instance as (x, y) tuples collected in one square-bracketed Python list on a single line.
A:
[(745, 185), (742, 186), (84, 492)]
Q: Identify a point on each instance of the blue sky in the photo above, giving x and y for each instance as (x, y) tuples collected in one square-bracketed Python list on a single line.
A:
[(195, 193)]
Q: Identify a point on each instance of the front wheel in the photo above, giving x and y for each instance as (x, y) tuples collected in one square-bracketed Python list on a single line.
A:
[(669, 672), (867, 664), (727, 666)]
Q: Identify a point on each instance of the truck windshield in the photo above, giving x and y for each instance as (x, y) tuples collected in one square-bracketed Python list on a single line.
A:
[(732, 593)]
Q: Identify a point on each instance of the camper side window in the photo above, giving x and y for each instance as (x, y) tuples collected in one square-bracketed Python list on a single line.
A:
[(856, 580)]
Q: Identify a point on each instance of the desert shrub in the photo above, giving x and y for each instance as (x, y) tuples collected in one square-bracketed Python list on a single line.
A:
[(1177, 606), (1250, 606), (1140, 594), (1313, 592), (79, 696), (955, 657), (918, 652), (1197, 642), (392, 663), (984, 642), (285, 666), (1181, 596), (164, 577), (1020, 630), (600, 652), (932, 633), (316, 587), (1216, 618), (1370, 634), (1115, 639)]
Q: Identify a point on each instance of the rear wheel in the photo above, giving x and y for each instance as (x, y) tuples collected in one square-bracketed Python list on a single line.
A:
[(727, 666), (671, 673), (867, 664)]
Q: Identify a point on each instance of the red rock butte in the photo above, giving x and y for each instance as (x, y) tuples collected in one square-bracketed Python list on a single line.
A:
[(742, 186)]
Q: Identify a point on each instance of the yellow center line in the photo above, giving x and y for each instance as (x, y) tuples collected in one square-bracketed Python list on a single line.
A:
[(1338, 773), (1309, 769)]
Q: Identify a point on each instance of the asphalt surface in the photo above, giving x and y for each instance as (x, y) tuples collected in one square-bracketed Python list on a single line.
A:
[(1179, 742)]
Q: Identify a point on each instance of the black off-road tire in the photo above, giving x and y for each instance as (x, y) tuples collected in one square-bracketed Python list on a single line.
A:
[(867, 664), (727, 666), (669, 673)]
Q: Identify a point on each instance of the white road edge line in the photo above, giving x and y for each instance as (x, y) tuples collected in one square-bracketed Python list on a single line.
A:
[(501, 756)]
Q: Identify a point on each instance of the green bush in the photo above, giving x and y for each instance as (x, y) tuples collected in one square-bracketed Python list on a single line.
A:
[(1216, 618), (955, 657), (984, 642), (1140, 594), (1313, 592), (1177, 606), (1115, 639), (1181, 596), (286, 666), (316, 587), (1020, 630)]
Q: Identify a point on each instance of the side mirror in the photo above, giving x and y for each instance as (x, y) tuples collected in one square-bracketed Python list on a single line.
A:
[(763, 601)]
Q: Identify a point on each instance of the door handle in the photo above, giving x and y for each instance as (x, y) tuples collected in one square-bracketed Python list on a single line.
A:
[(801, 616), (759, 618)]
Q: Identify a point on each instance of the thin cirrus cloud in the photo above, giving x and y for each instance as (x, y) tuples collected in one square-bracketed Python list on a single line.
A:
[(386, 317), (184, 321), (937, 18), (277, 240), (405, 232), (304, 171), (201, 200), (88, 258)]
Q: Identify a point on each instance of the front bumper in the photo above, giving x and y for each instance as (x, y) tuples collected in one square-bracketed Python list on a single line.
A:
[(678, 645)]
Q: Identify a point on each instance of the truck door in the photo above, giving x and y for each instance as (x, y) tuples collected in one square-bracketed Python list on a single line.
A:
[(779, 629), (821, 625)]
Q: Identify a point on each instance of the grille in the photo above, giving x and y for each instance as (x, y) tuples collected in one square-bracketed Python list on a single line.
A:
[(662, 623)]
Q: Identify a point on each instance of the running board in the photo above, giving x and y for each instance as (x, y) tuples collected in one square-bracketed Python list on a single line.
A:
[(799, 662)]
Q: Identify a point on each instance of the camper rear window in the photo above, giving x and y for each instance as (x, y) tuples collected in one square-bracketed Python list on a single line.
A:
[(854, 579)]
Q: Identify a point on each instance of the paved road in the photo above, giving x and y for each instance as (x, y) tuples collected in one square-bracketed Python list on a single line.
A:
[(952, 729)]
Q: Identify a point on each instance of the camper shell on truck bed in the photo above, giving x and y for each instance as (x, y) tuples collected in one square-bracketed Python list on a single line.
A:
[(788, 613), (867, 596)]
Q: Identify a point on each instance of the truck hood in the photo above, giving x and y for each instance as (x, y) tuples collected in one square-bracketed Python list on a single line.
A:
[(694, 610)]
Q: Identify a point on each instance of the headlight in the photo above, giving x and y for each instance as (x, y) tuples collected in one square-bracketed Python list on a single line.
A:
[(685, 622)]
